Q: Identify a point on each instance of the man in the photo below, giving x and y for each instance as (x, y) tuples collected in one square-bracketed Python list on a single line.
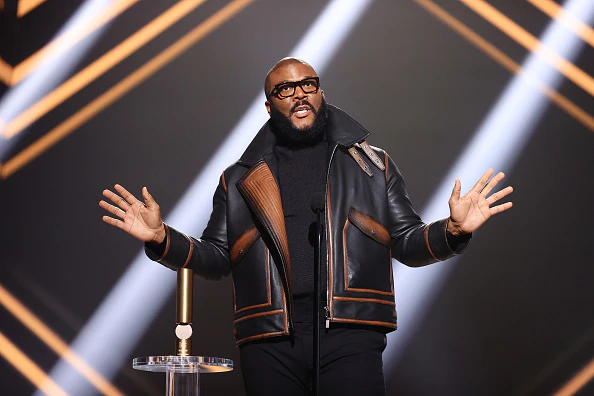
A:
[(261, 230)]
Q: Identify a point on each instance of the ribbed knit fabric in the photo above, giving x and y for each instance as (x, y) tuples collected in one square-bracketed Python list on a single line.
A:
[(302, 173)]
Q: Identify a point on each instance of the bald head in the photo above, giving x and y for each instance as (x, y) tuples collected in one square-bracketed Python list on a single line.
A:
[(280, 64)]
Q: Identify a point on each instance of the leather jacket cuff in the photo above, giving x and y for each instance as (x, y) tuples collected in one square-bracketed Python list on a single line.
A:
[(157, 249), (172, 252), (440, 245), (458, 242)]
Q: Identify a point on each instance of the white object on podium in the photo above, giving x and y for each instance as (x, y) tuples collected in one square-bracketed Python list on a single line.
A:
[(183, 370)]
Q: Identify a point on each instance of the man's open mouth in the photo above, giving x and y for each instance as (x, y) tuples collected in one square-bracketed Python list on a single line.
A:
[(302, 111)]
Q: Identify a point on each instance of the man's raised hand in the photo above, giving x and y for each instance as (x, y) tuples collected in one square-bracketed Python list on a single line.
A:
[(469, 212), (141, 220)]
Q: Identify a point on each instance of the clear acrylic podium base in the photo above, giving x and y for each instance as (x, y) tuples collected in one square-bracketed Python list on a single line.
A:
[(182, 372)]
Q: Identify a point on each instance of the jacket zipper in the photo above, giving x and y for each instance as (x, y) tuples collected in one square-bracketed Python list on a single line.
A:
[(327, 307)]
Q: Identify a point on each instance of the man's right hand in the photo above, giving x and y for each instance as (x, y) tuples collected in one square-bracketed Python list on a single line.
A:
[(141, 220)]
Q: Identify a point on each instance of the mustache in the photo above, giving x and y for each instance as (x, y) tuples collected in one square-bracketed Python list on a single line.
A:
[(303, 103)]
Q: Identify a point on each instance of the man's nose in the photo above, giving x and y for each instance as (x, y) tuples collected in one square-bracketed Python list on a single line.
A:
[(299, 92)]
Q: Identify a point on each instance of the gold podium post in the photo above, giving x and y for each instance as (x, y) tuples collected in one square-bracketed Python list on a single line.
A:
[(183, 370), (183, 312)]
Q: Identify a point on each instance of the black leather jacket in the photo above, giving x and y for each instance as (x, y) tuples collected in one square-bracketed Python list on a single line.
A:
[(369, 220)]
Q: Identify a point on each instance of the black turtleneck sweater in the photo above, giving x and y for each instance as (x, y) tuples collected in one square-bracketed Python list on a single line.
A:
[(302, 173)]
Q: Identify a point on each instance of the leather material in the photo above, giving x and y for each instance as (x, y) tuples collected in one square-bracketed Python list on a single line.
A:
[(258, 288), (372, 155), (173, 258), (360, 161), (243, 245), (260, 190), (369, 227), (369, 220)]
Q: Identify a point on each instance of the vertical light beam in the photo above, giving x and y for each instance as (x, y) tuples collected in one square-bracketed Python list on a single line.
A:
[(497, 144)]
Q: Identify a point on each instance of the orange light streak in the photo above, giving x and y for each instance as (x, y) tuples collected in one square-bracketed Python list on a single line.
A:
[(28, 368), (470, 35), (69, 38), (100, 66), (587, 373), (25, 6), (5, 72), (575, 384), (120, 89), (54, 342), (564, 103), (557, 12), (531, 43)]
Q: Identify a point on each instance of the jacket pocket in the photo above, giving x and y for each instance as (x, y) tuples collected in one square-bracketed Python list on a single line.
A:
[(250, 261), (243, 244), (367, 258)]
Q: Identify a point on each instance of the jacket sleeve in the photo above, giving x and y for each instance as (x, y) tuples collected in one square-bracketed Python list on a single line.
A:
[(415, 243), (207, 256)]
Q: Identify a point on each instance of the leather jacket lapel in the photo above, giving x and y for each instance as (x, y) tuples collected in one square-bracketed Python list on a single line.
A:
[(262, 194)]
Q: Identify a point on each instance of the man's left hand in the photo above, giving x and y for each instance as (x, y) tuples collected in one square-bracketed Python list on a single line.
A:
[(469, 212)]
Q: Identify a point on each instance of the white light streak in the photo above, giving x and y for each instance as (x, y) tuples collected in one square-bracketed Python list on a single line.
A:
[(129, 305), (54, 67), (497, 144)]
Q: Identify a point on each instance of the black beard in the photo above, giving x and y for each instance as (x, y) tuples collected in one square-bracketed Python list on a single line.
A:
[(289, 135)]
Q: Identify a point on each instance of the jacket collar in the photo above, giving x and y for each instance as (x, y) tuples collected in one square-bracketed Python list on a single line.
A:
[(342, 129)]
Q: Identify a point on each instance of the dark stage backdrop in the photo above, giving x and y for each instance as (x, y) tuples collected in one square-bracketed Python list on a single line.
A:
[(514, 315)]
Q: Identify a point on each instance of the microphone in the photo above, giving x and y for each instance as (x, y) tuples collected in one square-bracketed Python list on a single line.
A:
[(317, 206), (317, 202)]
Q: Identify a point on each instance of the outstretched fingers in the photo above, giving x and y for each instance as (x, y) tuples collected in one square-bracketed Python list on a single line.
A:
[(112, 209), (131, 199), (480, 184), (114, 222), (116, 199), (496, 197), (148, 198), (487, 189), (500, 194), (501, 208), (455, 197)]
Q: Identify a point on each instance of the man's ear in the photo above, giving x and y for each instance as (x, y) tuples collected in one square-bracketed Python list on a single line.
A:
[(323, 95), (267, 104)]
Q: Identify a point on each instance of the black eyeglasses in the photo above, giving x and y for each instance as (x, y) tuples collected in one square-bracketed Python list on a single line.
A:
[(287, 89)]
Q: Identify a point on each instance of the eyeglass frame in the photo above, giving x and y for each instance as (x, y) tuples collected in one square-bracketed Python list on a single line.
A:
[(295, 84)]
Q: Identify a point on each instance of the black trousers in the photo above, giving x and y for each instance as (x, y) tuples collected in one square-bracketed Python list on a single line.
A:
[(351, 362)]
